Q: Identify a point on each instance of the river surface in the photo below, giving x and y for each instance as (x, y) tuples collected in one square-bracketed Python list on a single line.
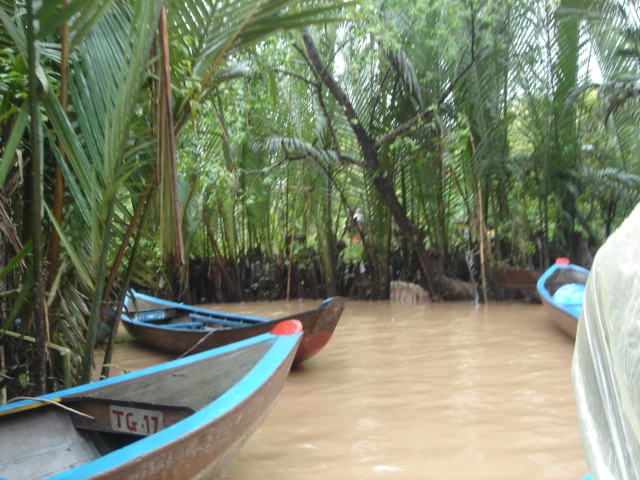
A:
[(447, 391)]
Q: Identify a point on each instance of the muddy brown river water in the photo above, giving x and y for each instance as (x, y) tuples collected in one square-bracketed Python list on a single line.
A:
[(448, 391)]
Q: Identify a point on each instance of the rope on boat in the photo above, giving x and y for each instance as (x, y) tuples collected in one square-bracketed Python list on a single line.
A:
[(54, 403), (196, 345)]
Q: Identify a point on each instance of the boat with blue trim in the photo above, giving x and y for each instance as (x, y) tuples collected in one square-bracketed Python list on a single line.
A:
[(561, 290), (181, 420), (178, 328)]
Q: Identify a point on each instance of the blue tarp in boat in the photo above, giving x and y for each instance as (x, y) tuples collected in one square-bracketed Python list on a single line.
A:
[(570, 294)]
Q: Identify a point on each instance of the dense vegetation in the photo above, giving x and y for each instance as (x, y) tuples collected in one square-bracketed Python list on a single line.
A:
[(244, 150)]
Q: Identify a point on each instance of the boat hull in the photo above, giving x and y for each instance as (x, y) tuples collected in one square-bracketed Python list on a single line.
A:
[(563, 320), (196, 445), (318, 326), (565, 314), (520, 280)]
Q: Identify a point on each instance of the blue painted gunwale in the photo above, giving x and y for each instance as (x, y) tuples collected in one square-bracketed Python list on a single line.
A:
[(169, 304), (282, 345), (573, 311)]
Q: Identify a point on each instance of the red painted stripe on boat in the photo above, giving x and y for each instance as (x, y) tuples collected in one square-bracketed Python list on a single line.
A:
[(288, 327)]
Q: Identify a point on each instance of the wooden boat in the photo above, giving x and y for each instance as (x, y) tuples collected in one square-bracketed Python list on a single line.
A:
[(178, 328), (181, 420), (519, 280), (561, 289)]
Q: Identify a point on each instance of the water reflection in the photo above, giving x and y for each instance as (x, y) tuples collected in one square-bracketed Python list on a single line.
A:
[(443, 391)]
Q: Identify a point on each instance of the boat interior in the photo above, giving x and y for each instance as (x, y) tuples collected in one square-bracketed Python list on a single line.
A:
[(54, 436), (183, 318), (563, 277)]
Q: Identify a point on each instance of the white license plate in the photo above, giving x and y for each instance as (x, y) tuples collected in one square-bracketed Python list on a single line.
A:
[(135, 420)]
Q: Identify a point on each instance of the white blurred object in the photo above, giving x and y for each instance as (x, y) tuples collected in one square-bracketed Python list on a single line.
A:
[(606, 361), (406, 292)]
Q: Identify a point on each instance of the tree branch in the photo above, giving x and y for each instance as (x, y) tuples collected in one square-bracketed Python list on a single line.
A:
[(427, 114), (364, 140)]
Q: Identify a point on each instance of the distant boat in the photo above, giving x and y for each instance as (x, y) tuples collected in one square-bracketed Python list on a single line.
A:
[(522, 280), (102, 335), (561, 289), (178, 328), (181, 420)]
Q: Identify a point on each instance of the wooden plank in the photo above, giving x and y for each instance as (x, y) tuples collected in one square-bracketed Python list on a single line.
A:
[(151, 316), (219, 321), (162, 315), (130, 417), (192, 325)]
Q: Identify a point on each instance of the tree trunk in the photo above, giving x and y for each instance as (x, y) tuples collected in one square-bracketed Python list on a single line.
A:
[(36, 136), (437, 284)]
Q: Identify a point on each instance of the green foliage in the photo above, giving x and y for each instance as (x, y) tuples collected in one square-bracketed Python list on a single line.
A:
[(508, 140), (105, 144), (532, 148)]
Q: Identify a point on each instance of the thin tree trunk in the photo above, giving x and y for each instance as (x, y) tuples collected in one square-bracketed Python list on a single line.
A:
[(97, 305), (291, 245), (39, 315), (58, 191), (481, 239), (230, 284), (141, 212), (480, 223)]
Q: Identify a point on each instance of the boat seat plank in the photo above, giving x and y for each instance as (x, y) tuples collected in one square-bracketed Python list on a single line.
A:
[(162, 315), (218, 321), (99, 409), (185, 325), (151, 316)]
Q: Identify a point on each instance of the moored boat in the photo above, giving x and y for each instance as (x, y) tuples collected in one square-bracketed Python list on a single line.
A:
[(181, 420), (178, 328), (561, 290), (517, 280)]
